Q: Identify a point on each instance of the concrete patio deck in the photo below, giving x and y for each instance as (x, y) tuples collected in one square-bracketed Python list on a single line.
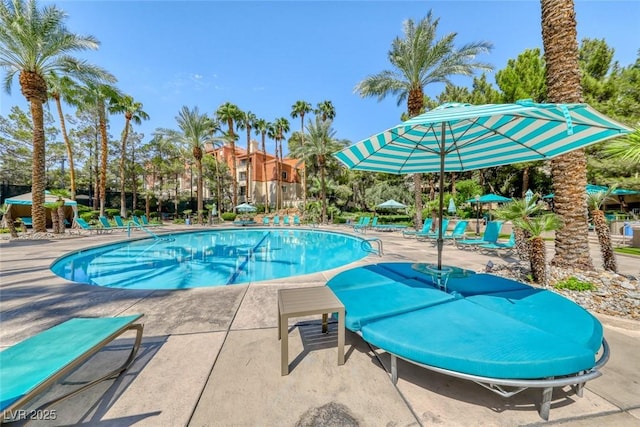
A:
[(211, 357)]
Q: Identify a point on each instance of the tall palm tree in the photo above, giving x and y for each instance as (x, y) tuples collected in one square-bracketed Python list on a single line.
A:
[(322, 143), (247, 122), (33, 43), (594, 203), (517, 211), (133, 112), (230, 113), (262, 127), (279, 127), (418, 60), (325, 110), (302, 108), (195, 131), (569, 171)]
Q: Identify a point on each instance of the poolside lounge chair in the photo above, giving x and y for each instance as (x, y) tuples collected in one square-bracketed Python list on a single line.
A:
[(276, 220), (458, 231), (434, 234), (31, 366), (362, 226), (107, 225), (286, 220), (146, 222), (426, 227), (501, 248), (374, 222), (27, 221), (490, 235), (85, 226), (296, 220), (119, 221), (265, 220), (502, 334)]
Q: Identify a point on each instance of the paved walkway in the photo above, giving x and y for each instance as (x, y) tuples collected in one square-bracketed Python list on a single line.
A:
[(210, 357)]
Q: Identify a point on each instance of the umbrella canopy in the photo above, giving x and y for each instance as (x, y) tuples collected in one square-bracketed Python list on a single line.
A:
[(490, 198), (592, 188), (246, 207), (461, 137), (452, 206), (392, 204)]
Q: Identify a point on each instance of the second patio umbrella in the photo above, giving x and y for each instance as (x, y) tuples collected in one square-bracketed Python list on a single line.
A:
[(461, 137)]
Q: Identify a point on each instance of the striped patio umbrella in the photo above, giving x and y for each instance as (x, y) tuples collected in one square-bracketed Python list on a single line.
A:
[(460, 137)]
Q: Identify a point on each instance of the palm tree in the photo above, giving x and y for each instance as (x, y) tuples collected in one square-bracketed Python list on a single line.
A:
[(195, 130), (229, 113), (247, 122), (322, 143), (326, 110), (301, 108), (569, 171), (418, 60), (535, 226), (262, 127), (33, 43), (133, 112), (517, 211), (279, 127), (625, 148), (595, 202)]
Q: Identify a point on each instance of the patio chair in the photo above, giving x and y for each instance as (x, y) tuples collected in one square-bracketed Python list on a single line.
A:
[(265, 220), (84, 225), (501, 248), (458, 231), (286, 220), (107, 225), (491, 234), (31, 366), (426, 226), (119, 221), (362, 226), (146, 222), (296, 220), (276, 220), (374, 222), (434, 234)]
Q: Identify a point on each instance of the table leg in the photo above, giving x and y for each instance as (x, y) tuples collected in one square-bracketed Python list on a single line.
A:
[(284, 345), (341, 337), (325, 327)]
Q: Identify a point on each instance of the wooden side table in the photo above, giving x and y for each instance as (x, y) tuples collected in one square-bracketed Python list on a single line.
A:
[(297, 302)]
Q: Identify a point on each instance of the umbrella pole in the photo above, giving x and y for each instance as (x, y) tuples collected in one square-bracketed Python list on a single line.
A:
[(441, 197)]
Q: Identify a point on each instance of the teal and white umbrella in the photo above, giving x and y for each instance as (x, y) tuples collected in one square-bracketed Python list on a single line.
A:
[(246, 207), (461, 137), (391, 204)]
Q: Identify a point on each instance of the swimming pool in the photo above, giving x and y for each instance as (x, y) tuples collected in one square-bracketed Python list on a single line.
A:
[(210, 258)]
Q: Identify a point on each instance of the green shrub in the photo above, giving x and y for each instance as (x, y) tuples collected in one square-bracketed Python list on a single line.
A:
[(90, 216), (110, 212), (574, 284), (229, 216), (179, 221), (140, 212)]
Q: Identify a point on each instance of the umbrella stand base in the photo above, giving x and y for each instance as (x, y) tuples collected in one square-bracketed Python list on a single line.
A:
[(439, 276)]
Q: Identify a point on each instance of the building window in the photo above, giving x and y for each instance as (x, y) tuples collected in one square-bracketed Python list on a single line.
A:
[(284, 189), (243, 191), (284, 176), (242, 176)]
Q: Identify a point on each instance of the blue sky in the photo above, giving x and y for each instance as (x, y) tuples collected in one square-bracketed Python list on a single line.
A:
[(263, 56)]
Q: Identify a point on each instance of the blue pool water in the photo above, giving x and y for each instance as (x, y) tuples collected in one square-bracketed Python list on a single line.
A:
[(210, 258)]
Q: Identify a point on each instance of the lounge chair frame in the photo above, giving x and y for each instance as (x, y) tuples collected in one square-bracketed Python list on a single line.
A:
[(497, 385), (64, 371)]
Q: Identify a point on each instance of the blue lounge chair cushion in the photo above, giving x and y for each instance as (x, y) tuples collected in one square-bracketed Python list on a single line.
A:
[(363, 277), (29, 363), (465, 337), (364, 305), (547, 311)]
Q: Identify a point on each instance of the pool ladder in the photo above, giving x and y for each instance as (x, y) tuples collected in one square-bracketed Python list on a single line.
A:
[(367, 246)]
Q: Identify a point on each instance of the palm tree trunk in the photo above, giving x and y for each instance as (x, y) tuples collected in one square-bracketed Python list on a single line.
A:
[(123, 155), (248, 179), (61, 217), (199, 188), (304, 171), (67, 143), (604, 238), (417, 192), (55, 220), (104, 148), (321, 163), (523, 244), (537, 260), (264, 172), (38, 180), (559, 37), (11, 224)]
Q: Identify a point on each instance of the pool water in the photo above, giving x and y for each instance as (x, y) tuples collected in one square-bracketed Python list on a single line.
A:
[(210, 258)]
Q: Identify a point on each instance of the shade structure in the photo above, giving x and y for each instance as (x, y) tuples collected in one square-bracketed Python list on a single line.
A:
[(592, 188), (391, 204), (490, 198), (20, 206), (246, 207), (461, 137)]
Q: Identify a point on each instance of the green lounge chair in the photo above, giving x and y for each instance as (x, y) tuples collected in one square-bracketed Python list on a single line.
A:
[(286, 220), (362, 226), (425, 229), (146, 222), (33, 365), (458, 231), (119, 221), (84, 225), (276, 220), (296, 220), (265, 220), (107, 225), (434, 234), (491, 234), (27, 221), (501, 248)]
